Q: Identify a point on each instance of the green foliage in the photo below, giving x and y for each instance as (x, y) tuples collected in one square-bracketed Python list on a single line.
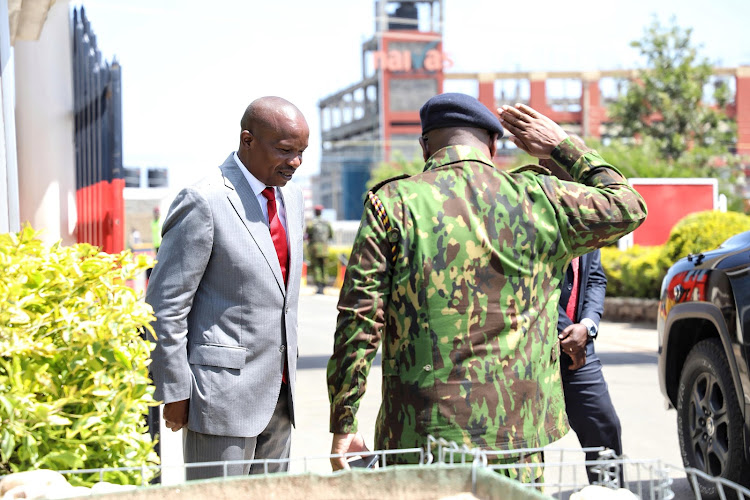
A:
[(665, 103), (332, 264), (703, 231), (399, 166), (639, 271), (635, 272), (645, 160), (74, 385)]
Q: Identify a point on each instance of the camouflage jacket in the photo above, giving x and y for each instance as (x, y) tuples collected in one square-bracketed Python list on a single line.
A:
[(466, 307)]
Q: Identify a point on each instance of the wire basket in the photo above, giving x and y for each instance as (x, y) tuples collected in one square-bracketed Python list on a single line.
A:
[(457, 467)]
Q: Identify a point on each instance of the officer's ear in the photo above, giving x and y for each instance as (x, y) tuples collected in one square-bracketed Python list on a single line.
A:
[(425, 147), (493, 144)]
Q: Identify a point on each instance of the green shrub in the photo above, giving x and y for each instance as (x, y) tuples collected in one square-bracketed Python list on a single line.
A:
[(635, 272), (332, 264), (639, 271), (74, 385), (701, 231)]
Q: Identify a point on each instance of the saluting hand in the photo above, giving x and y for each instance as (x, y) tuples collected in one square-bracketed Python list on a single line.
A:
[(532, 131)]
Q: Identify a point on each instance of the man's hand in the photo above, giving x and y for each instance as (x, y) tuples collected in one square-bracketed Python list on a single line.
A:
[(573, 343), (345, 443), (532, 131), (176, 414)]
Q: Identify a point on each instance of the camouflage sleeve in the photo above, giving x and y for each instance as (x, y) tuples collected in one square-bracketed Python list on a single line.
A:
[(364, 294), (597, 209)]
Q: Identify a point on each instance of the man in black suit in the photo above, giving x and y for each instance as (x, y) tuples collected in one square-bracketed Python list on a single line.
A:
[(590, 410), (589, 407)]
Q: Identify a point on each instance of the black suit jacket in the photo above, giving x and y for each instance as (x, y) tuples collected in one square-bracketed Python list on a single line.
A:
[(593, 284)]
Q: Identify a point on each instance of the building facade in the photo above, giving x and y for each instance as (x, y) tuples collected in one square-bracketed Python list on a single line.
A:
[(377, 119)]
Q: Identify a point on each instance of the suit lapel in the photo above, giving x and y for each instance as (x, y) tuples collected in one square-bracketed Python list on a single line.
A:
[(248, 209), (583, 278)]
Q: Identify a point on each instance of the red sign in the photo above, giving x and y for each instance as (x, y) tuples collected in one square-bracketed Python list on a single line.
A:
[(668, 201), (404, 60)]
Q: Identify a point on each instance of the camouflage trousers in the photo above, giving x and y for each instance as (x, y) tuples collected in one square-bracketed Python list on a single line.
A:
[(318, 270)]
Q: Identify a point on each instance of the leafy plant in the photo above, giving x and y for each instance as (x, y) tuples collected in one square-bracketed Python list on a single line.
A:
[(635, 272), (639, 271), (701, 231), (74, 384)]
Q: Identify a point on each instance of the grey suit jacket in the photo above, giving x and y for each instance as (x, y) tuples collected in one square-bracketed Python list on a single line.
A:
[(225, 322)]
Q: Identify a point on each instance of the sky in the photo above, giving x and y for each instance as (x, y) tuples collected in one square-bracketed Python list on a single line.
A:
[(189, 68)]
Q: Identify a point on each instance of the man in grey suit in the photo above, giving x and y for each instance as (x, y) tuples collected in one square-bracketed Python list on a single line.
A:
[(225, 293)]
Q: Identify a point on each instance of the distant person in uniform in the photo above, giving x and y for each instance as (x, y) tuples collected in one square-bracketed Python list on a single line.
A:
[(319, 232), (156, 223), (455, 274)]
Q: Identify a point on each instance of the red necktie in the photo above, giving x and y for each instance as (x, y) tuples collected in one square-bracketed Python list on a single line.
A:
[(278, 235), (573, 300)]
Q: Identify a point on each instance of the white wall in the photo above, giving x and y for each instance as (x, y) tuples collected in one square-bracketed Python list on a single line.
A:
[(44, 128), (8, 164)]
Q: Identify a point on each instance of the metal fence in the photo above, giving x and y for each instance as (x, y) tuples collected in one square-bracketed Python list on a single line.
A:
[(98, 140), (563, 476)]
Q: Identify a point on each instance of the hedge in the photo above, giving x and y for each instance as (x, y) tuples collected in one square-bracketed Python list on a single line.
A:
[(638, 271), (74, 384)]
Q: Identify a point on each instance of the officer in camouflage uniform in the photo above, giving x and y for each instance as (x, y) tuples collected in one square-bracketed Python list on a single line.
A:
[(318, 233), (456, 271)]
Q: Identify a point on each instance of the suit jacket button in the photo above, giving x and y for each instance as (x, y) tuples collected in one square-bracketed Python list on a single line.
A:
[(282, 348), (286, 310)]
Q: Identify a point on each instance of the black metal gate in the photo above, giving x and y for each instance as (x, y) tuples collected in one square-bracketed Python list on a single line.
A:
[(98, 141)]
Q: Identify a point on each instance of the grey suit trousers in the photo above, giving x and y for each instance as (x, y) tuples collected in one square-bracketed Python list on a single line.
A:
[(274, 443)]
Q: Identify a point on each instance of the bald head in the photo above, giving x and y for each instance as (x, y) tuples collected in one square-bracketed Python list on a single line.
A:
[(273, 137), (266, 112)]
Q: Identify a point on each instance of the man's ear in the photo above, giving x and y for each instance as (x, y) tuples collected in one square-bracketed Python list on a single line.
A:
[(425, 149), (493, 144), (246, 138)]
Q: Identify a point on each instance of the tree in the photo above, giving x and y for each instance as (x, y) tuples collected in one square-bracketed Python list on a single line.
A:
[(665, 101)]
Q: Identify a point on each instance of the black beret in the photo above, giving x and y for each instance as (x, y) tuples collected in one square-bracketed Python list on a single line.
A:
[(457, 110)]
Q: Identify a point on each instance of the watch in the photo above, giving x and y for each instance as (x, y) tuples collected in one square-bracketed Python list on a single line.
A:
[(593, 331)]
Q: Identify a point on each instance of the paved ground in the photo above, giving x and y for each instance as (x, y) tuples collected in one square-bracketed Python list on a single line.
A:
[(628, 353)]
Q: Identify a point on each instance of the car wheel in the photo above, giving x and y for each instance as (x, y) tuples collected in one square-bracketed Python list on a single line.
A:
[(709, 420)]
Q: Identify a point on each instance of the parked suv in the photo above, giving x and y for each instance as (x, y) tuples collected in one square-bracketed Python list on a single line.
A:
[(704, 356)]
